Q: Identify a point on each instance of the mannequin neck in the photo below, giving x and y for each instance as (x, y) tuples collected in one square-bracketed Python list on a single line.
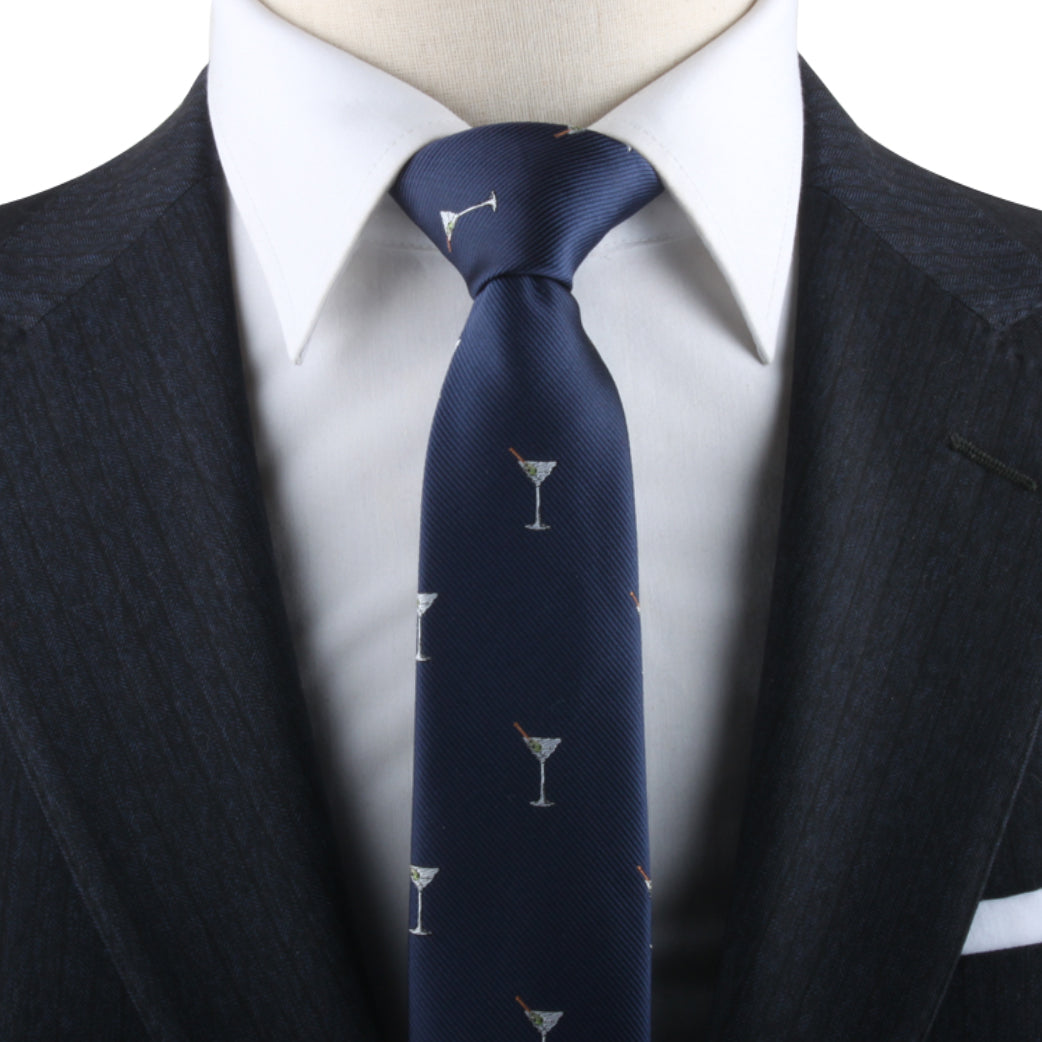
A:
[(499, 60)]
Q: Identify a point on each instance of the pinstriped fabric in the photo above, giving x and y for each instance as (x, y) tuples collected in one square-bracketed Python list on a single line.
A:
[(49, 994), (164, 865), (960, 238), (54, 243), (900, 695), (528, 858), (996, 996), (148, 684)]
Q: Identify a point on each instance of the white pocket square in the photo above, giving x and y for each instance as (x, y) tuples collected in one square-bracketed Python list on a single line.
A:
[(1005, 922)]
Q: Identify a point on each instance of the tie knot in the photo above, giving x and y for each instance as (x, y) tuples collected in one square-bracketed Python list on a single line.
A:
[(522, 198)]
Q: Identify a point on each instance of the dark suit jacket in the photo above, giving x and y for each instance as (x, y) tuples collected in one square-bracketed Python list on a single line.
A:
[(166, 868)]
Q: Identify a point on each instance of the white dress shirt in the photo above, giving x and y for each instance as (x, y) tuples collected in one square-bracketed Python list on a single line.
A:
[(349, 316)]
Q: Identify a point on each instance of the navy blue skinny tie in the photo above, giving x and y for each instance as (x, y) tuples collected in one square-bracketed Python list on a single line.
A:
[(531, 904)]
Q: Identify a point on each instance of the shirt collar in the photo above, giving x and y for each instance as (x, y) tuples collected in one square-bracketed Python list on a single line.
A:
[(309, 152), (724, 131)]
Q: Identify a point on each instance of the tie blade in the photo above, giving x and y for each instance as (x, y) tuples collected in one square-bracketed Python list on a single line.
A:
[(529, 775)]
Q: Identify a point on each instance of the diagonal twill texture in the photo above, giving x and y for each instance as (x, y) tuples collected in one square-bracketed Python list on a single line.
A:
[(529, 793)]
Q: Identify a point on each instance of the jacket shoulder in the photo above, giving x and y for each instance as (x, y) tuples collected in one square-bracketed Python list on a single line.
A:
[(985, 251), (54, 243)]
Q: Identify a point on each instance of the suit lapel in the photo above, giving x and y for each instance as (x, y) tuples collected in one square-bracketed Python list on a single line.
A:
[(148, 682), (900, 694), (147, 679)]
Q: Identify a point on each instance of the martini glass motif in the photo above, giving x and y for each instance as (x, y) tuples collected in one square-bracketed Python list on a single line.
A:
[(645, 877), (450, 218), (537, 471), (541, 749), (423, 602), (541, 1019), (420, 878)]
